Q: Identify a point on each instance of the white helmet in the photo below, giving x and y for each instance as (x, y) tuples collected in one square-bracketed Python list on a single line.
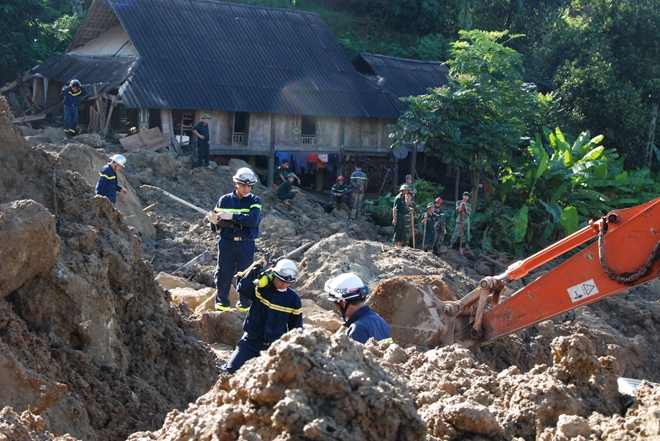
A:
[(345, 287), (286, 271), (245, 176), (119, 159)]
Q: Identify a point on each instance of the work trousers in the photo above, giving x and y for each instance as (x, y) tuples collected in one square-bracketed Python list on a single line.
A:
[(233, 257), (70, 118), (246, 349), (457, 231), (202, 153)]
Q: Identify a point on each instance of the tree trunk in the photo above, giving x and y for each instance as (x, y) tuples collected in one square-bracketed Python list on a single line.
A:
[(649, 151), (475, 178)]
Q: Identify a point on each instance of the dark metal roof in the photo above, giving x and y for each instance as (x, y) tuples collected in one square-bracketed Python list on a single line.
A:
[(205, 54), (402, 77), (107, 72)]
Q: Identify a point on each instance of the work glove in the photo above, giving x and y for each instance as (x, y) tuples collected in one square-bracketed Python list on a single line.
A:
[(213, 218), (225, 215)]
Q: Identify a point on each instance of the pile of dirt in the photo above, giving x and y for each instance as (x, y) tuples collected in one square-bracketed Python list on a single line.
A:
[(89, 341), (91, 345)]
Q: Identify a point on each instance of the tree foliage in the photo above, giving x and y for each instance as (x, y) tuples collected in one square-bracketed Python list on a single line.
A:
[(478, 119), (556, 187), (33, 31)]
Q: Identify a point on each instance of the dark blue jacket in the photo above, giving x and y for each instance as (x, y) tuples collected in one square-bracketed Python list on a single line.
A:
[(273, 313), (202, 129), (343, 189), (359, 181), (364, 324), (107, 184), (72, 98), (247, 213)]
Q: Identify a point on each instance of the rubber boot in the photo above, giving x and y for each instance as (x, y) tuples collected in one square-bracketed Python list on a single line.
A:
[(353, 213)]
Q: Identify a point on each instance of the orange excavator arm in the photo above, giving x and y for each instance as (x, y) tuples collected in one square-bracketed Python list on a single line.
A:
[(625, 255)]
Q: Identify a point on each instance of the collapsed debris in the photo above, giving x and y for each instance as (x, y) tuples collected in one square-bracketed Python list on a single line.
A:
[(93, 346)]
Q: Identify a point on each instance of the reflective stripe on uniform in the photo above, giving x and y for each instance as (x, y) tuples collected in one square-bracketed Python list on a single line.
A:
[(239, 210), (275, 307), (107, 177)]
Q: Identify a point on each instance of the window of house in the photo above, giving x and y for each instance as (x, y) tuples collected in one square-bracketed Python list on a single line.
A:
[(241, 124), (308, 130)]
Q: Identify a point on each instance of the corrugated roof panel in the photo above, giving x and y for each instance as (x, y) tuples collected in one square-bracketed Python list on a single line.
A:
[(243, 58), (404, 77)]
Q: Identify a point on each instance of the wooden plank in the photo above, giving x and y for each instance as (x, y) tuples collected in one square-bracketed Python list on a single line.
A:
[(28, 118), (132, 142), (151, 139)]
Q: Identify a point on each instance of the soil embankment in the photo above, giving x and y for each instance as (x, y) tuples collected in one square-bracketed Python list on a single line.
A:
[(92, 347)]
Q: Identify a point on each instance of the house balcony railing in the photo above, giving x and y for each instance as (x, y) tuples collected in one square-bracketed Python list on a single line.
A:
[(308, 140), (238, 139)]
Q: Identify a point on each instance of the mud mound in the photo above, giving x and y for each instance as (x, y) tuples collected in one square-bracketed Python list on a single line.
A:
[(92, 345), (88, 340), (309, 385)]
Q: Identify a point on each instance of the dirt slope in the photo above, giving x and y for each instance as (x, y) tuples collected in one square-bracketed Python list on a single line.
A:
[(94, 348), (88, 339)]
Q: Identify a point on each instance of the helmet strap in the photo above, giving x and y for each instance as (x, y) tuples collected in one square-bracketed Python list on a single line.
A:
[(343, 310)]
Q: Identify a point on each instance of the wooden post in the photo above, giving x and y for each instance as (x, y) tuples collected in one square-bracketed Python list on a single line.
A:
[(318, 179), (413, 160), (271, 152), (654, 119), (395, 176), (107, 121), (100, 108)]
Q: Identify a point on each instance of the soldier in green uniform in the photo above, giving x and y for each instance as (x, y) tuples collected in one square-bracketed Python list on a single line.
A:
[(412, 209), (429, 220), (399, 217)]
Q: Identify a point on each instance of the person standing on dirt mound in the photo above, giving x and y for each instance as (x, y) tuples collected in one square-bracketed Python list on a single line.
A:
[(276, 309), (348, 293), (440, 230), (73, 95), (411, 187), (358, 189), (201, 130), (107, 184), (399, 217), (429, 221), (462, 228), (236, 216)]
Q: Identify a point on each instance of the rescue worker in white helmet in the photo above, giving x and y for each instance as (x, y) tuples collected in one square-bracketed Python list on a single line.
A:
[(236, 216), (107, 184), (276, 309), (348, 292)]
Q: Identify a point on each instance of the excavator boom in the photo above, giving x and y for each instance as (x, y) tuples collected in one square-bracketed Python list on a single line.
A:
[(625, 255)]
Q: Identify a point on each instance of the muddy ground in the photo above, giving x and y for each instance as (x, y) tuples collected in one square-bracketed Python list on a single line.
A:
[(97, 344)]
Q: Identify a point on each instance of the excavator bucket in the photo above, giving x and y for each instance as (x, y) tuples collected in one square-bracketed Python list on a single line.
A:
[(414, 308)]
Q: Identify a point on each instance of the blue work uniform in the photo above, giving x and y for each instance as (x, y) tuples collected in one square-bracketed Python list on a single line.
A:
[(440, 225), (364, 324), (340, 194), (71, 101), (202, 144), (273, 313), (107, 184), (236, 246)]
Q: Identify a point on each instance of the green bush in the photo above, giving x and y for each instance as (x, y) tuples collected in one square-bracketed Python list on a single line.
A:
[(426, 192), (381, 209)]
